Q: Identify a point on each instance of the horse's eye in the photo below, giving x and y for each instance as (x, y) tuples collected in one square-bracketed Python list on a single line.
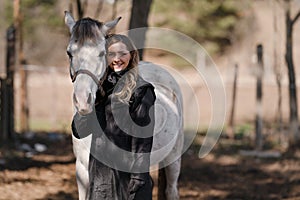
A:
[(102, 53), (69, 54)]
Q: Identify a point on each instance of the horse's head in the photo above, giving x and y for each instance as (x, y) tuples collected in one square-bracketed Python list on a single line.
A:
[(87, 54)]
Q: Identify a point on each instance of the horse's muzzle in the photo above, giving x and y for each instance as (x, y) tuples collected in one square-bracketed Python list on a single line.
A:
[(84, 105)]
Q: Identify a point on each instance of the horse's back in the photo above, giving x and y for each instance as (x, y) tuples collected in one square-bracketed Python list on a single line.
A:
[(168, 112)]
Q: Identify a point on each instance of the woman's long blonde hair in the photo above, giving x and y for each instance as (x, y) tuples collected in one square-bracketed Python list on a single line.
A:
[(130, 78)]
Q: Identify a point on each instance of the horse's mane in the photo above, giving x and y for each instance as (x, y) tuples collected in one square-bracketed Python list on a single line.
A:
[(86, 29)]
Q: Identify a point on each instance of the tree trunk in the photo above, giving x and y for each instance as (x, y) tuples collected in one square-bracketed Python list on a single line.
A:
[(18, 23), (81, 8), (278, 74), (24, 123), (294, 136), (139, 19), (99, 8), (291, 71)]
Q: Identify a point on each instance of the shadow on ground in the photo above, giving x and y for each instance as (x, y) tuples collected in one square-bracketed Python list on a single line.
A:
[(222, 174), (225, 174)]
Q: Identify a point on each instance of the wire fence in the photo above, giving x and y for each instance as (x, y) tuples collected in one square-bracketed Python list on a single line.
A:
[(49, 92)]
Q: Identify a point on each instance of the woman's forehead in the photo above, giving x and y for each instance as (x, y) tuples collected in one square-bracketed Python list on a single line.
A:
[(118, 46)]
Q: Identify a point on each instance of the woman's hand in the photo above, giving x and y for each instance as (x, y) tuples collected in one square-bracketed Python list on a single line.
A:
[(133, 186)]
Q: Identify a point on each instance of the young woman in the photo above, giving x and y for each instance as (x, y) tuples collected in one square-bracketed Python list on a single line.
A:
[(120, 155)]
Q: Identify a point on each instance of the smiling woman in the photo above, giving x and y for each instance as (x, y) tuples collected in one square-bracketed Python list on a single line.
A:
[(123, 55), (118, 56)]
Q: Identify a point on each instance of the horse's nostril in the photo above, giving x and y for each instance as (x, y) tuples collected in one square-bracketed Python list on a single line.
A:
[(89, 100), (83, 111)]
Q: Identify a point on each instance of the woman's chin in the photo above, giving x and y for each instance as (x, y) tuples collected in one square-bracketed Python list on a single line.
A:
[(117, 68)]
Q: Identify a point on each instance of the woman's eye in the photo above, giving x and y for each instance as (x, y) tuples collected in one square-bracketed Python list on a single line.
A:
[(123, 54), (119, 54), (111, 54)]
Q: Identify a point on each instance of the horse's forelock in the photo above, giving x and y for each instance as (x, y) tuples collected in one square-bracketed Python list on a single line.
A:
[(86, 29)]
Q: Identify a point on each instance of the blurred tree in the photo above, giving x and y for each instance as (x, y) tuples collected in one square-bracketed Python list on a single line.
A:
[(26, 15), (290, 22), (99, 8), (81, 7), (18, 23), (277, 67), (34, 13), (139, 19), (209, 22)]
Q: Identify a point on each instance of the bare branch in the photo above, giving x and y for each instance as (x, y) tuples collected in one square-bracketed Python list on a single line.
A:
[(79, 9), (296, 17)]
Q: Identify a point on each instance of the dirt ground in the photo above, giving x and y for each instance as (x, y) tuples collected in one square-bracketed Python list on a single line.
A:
[(223, 174)]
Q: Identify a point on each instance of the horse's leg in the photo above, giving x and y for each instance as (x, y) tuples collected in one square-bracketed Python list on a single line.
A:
[(162, 184), (167, 182), (81, 149), (172, 171)]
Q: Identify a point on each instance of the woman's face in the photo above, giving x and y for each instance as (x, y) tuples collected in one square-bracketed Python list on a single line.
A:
[(118, 56)]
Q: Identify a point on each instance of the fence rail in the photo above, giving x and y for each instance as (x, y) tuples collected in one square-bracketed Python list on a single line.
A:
[(49, 92)]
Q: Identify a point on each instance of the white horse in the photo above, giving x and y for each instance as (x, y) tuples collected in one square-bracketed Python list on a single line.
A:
[(86, 50)]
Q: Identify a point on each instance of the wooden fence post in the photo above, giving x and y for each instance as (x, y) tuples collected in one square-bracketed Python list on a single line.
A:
[(3, 111), (1, 104), (231, 119), (8, 92), (259, 94)]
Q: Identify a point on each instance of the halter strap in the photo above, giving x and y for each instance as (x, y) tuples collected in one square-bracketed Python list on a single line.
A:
[(95, 79), (85, 71)]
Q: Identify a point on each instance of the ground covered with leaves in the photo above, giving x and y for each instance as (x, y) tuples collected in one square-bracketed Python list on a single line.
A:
[(32, 172)]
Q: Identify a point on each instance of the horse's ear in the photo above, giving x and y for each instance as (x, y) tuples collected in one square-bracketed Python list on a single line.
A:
[(110, 25), (69, 20)]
